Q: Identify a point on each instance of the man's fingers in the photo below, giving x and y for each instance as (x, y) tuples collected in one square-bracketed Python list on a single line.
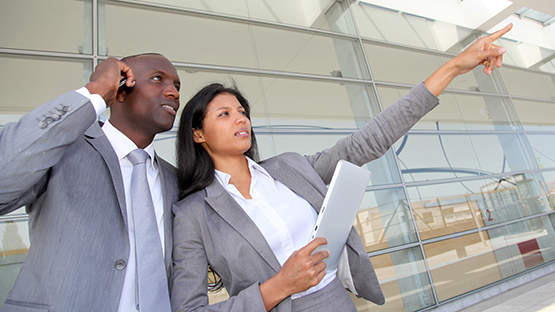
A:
[(127, 73)]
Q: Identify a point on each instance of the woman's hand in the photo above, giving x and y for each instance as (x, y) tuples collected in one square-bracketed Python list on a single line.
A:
[(482, 51), (300, 272)]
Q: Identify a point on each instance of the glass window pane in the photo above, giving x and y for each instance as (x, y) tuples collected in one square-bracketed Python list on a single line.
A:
[(385, 220), (183, 38), (536, 116), (308, 53), (50, 78), (528, 83), (448, 208), (304, 53), (456, 155), (320, 14), (14, 242), (549, 178), (404, 282), (472, 261), (65, 25), (389, 25), (320, 105), (391, 64), (460, 111), (543, 147), (408, 66), (526, 55)]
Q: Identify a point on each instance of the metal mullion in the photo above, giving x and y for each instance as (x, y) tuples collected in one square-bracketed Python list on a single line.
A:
[(269, 73), (45, 54)]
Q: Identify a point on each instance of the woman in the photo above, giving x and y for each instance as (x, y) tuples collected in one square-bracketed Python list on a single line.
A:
[(250, 221)]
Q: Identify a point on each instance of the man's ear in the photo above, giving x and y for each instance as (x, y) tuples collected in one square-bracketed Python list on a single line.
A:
[(120, 96), (198, 136)]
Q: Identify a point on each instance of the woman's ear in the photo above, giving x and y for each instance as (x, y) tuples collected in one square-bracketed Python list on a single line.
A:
[(198, 136)]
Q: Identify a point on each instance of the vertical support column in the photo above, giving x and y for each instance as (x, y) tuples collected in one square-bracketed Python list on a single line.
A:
[(350, 57)]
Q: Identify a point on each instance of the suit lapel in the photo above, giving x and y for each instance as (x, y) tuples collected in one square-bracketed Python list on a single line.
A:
[(286, 174), (95, 136), (168, 192), (231, 212)]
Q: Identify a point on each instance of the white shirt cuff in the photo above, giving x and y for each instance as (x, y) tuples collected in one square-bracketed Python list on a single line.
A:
[(96, 100)]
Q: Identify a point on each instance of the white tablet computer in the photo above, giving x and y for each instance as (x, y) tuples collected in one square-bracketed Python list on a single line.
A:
[(339, 209)]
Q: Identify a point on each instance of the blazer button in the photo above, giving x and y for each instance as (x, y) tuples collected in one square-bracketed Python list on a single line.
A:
[(120, 265)]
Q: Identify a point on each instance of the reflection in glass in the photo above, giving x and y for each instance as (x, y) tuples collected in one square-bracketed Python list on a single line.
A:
[(526, 55), (391, 64), (37, 25), (528, 83), (384, 220), (472, 261), (403, 278), (245, 45), (14, 242), (543, 147), (316, 105), (308, 53), (321, 14), (183, 38), (459, 155), (549, 178), (460, 111), (448, 208), (536, 116), (388, 25)]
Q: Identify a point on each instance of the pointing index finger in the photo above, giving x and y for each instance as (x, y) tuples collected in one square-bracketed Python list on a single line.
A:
[(496, 35)]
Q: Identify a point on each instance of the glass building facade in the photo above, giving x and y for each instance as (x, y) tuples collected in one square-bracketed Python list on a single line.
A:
[(463, 201)]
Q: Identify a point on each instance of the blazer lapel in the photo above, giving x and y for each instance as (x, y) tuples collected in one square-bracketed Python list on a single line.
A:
[(168, 192), (95, 136), (286, 174), (231, 212)]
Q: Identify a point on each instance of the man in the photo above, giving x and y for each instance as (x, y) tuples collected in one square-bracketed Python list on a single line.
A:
[(76, 180)]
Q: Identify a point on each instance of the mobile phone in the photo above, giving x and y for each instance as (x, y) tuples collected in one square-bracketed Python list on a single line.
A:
[(122, 82)]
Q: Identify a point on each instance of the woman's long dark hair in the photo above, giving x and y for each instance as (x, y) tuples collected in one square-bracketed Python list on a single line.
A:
[(195, 168)]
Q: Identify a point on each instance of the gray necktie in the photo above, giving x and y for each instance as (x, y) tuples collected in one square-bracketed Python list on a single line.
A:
[(152, 282)]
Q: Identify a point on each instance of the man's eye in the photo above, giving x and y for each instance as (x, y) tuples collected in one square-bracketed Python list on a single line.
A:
[(157, 78)]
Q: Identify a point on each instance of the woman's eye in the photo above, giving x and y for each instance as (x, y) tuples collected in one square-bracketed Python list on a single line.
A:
[(223, 114)]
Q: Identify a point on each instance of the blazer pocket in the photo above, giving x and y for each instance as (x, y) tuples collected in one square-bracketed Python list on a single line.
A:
[(17, 306)]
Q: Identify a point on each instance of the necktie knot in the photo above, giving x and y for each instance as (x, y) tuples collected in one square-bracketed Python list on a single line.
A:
[(137, 156)]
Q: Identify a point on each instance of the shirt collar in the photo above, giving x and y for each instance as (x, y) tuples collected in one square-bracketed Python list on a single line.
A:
[(224, 178), (123, 145)]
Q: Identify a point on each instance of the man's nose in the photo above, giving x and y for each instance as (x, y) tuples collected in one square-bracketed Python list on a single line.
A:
[(172, 91)]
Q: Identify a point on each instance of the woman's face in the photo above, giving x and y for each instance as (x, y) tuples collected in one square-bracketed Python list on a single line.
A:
[(226, 130)]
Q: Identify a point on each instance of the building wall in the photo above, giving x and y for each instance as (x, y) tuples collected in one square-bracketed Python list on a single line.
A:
[(464, 200)]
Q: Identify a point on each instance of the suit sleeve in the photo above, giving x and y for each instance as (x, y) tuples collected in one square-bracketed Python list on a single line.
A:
[(190, 275), (30, 147), (374, 139)]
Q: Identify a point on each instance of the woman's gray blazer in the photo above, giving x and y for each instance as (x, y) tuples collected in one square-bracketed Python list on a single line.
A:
[(210, 228)]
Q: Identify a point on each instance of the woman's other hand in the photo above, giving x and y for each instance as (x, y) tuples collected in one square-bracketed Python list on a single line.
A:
[(300, 272)]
